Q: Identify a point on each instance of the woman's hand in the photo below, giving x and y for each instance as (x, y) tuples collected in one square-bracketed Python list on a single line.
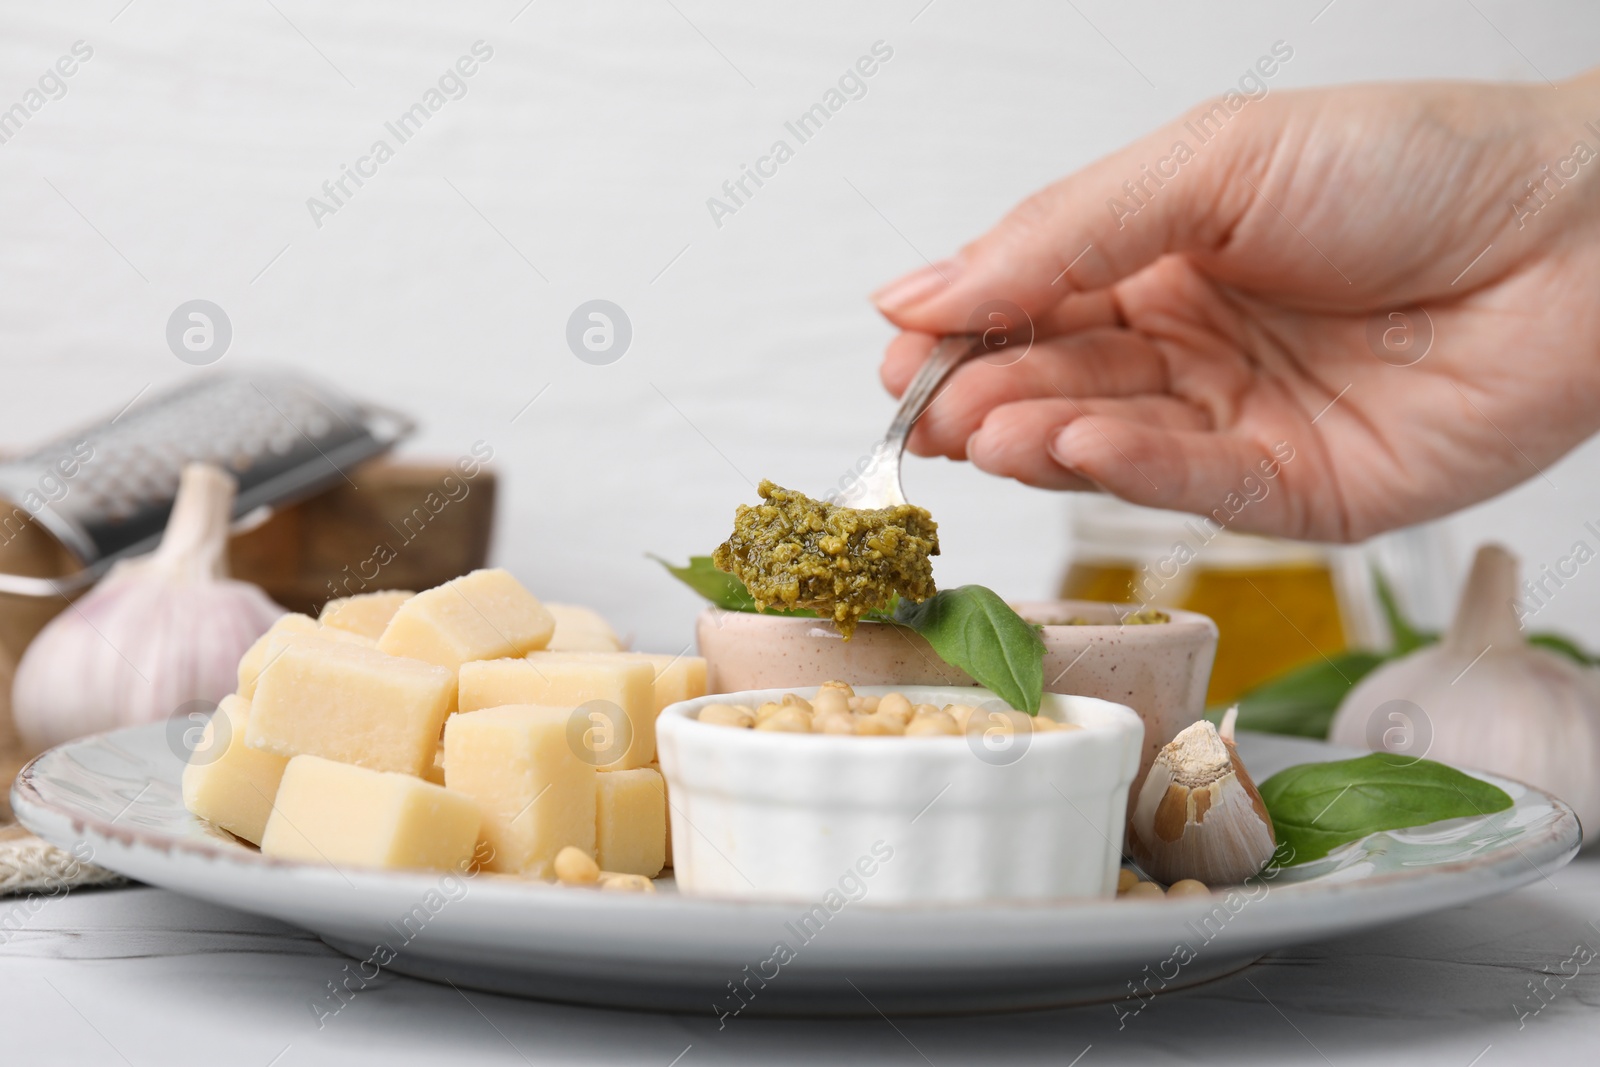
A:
[(1259, 297)]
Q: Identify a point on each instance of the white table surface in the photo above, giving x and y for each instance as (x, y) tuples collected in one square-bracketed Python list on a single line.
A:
[(145, 976)]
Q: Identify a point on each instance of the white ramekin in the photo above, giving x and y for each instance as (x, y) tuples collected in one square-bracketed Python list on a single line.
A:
[(761, 815)]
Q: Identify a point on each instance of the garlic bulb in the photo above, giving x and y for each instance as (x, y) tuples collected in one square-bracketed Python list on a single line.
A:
[(1485, 698), (156, 633), (1199, 815)]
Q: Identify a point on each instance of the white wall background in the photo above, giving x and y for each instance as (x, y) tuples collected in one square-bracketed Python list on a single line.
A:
[(591, 141)]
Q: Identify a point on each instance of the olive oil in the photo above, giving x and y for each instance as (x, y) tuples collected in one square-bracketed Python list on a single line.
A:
[(1277, 604), (1270, 618)]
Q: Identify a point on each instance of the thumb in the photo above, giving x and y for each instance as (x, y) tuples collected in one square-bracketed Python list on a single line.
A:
[(1171, 191)]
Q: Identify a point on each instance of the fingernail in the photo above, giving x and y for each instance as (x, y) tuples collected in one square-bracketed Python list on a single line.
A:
[(919, 285), (1057, 450)]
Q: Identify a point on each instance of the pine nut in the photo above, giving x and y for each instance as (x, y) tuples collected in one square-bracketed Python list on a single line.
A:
[(834, 724), (932, 724), (726, 715), (878, 726), (612, 882), (574, 866), (786, 720), (897, 705), (830, 700)]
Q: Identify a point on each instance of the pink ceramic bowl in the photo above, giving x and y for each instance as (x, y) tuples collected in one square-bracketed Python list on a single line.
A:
[(1160, 670)]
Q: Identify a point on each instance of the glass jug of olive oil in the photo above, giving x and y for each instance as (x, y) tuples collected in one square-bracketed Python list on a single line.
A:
[(1277, 604)]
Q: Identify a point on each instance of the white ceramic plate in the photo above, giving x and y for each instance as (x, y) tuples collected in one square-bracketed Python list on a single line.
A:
[(119, 794)]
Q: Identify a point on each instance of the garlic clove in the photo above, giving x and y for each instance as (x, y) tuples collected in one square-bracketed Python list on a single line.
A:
[(1198, 814)]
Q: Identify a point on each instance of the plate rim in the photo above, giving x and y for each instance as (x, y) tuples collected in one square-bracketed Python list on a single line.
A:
[(674, 953), (1554, 845)]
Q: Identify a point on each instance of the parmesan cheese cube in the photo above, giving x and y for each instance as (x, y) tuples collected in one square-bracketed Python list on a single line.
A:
[(336, 813), (255, 657), (290, 628), (435, 772), (613, 698), (630, 830), (366, 614), (227, 781), (580, 629), (483, 615), (666, 795), (536, 795), (353, 704), (676, 677)]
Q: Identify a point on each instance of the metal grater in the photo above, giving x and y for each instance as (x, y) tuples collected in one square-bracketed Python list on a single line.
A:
[(281, 436)]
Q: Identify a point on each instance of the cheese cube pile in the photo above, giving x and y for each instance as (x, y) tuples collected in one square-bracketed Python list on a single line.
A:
[(403, 730)]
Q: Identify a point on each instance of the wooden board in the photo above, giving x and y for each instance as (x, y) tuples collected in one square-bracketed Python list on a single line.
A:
[(407, 526)]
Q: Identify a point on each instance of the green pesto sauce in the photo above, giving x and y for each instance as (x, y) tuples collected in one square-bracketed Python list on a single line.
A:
[(794, 552)]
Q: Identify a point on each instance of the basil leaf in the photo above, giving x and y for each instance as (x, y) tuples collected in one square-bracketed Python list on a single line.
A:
[(1570, 649), (1407, 637), (885, 613), (1316, 807), (1302, 702), (970, 627), (722, 589)]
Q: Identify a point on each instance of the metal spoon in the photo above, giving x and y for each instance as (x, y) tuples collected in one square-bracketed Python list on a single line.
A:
[(880, 486)]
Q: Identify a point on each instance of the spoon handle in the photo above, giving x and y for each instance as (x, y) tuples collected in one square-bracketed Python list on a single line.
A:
[(881, 486)]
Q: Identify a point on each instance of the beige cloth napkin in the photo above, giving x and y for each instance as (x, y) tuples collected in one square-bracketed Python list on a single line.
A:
[(29, 865)]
